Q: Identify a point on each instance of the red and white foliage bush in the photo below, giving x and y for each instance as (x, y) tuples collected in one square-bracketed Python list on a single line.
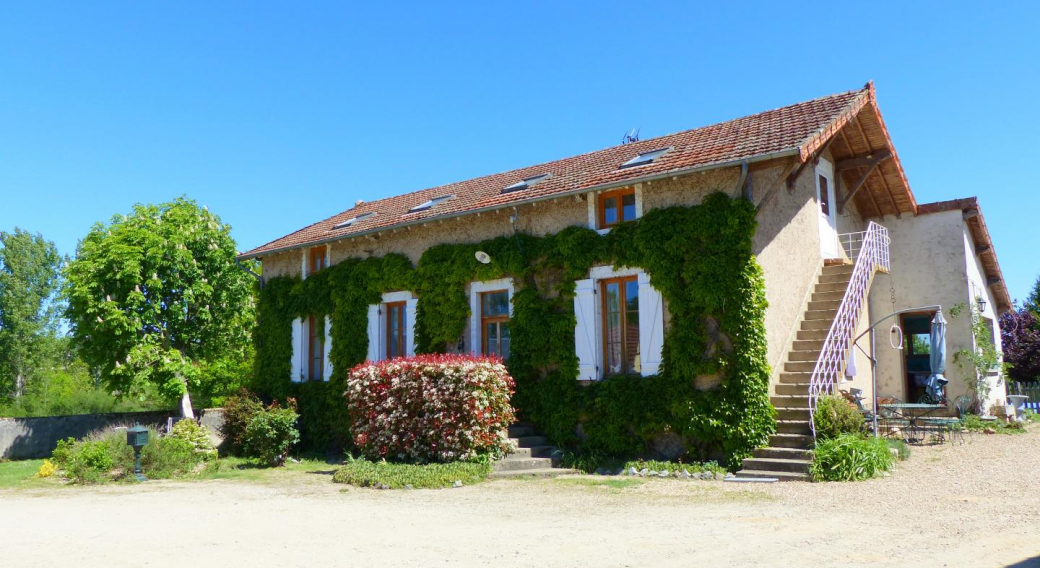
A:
[(430, 408)]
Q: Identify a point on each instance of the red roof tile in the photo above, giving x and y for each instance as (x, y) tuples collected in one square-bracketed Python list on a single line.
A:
[(796, 130)]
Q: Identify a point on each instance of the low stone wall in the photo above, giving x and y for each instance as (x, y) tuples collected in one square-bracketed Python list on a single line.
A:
[(26, 438)]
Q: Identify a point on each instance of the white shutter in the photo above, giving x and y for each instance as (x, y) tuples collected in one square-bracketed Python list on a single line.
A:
[(328, 348), (409, 326), (373, 333), (651, 326), (585, 342), (297, 351)]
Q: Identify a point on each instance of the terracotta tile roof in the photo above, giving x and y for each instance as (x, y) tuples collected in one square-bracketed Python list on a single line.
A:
[(796, 130), (980, 235)]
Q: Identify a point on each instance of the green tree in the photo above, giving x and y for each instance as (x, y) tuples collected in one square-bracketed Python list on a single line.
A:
[(29, 277), (156, 297), (1033, 302)]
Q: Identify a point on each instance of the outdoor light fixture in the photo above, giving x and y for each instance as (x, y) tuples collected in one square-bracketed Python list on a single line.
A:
[(482, 257), (137, 437), (981, 304)]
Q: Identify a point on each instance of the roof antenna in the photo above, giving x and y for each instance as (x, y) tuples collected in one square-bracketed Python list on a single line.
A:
[(631, 136)]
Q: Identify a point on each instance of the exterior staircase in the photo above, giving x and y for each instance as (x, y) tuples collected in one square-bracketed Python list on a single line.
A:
[(533, 456), (789, 453)]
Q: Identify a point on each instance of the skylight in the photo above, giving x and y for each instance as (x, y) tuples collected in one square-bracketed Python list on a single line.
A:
[(524, 183), (430, 203), (646, 157), (353, 220)]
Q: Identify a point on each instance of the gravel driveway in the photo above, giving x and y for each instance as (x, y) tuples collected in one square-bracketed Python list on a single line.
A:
[(974, 505)]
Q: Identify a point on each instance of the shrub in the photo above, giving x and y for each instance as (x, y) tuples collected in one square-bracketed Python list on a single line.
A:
[(47, 469), (430, 408), (196, 435), (849, 457), (835, 416), (239, 409), (272, 433), (104, 456), (363, 473), (166, 457)]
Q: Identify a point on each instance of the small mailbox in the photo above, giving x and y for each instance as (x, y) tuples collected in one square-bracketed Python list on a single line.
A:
[(137, 436)]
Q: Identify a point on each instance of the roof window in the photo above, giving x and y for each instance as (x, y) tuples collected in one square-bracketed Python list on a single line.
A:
[(646, 157), (353, 220), (430, 203), (524, 183)]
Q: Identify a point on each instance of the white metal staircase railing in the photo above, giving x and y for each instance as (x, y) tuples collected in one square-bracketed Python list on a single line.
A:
[(870, 251)]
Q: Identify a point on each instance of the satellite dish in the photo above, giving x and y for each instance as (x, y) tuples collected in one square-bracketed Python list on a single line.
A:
[(482, 257)]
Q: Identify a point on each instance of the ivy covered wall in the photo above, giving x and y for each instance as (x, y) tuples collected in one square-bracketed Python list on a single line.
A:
[(700, 258)]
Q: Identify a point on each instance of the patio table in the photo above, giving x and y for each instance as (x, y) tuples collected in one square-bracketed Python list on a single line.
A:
[(913, 413)]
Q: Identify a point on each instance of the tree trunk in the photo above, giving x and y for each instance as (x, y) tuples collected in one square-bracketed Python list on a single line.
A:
[(186, 410), (19, 385)]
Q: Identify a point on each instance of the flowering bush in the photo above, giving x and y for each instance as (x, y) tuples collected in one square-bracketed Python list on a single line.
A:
[(430, 408)]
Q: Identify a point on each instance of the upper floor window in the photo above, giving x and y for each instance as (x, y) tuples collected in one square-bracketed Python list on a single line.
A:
[(316, 259), (494, 323), (616, 207)]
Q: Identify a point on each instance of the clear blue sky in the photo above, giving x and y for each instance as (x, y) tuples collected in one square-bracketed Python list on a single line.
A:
[(276, 115)]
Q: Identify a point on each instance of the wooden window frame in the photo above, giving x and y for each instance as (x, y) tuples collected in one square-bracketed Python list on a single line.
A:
[(621, 281), (315, 350), (316, 253), (401, 338), (485, 320), (601, 208)]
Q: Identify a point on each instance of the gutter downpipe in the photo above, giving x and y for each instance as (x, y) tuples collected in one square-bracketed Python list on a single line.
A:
[(260, 279), (582, 191), (872, 355)]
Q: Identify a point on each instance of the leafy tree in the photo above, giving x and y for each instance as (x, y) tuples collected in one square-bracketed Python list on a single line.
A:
[(29, 277), (1033, 301), (156, 297), (1020, 339)]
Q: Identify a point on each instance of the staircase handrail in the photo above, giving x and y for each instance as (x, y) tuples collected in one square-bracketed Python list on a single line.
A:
[(872, 255)]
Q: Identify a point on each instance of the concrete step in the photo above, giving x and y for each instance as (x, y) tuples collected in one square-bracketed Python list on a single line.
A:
[(818, 324), (799, 366), (833, 286), (521, 430), (793, 427), (517, 463), (784, 453), (837, 269), (793, 389), (530, 441), (815, 335), (546, 472), (800, 441), (792, 413), (823, 306), (804, 355), (800, 400), (796, 377), (832, 278), (777, 464), (815, 315), (778, 475), (829, 296), (535, 452), (808, 344)]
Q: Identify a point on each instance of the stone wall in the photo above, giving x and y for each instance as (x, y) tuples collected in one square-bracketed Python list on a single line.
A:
[(28, 438)]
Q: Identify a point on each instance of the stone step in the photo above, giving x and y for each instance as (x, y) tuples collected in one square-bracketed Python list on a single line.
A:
[(530, 441), (784, 453), (521, 430), (796, 377), (535, 452), (792, 413), (804, 355), (778, 475), (799, 366), (815, 335), (517, 463), (793, 427), (831, 270), (800, 400), (827, 315), (541, 472), (834, 285), (828, 296), (800, 441), (793, 389), (777, 464), (823, 306), (818, 324), (808, 344)]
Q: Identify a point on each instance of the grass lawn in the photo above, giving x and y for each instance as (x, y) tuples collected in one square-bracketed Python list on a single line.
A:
[(22, 475)]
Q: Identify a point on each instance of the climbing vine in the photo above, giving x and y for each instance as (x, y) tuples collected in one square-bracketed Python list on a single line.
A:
[(701, 260)]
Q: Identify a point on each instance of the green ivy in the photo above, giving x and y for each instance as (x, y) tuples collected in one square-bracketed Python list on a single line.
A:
[(701, 260)]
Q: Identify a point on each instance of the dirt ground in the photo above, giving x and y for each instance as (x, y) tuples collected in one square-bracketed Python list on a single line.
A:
[(974, 505)]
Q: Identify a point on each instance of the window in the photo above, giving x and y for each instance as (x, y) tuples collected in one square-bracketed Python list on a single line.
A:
[(825, 196), (395, 331), (429, 204), (353, 220), (646, 157), (620, 313), (315, 350), (524, 183), (615, 207), (316, 259), (494, 323)]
